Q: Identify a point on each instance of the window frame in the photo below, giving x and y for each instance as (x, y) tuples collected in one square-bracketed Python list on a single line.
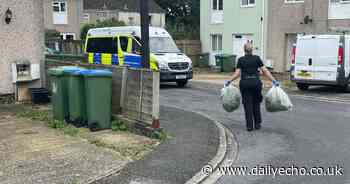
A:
[(249, 5), (58, 4), (217, 5), (340, 2), (293, 1), (218, 47)]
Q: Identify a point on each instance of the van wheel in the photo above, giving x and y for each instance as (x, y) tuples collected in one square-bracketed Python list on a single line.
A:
[(181, 83), (344, 88), (303, 87)]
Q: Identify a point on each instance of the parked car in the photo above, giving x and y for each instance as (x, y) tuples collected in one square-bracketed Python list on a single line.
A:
[(123, 44), (321, 60)]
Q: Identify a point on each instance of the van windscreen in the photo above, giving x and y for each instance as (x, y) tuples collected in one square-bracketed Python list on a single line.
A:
[(163, 45), (102, 45)]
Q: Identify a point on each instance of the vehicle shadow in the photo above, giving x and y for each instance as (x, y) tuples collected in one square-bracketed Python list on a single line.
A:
[(165, 86), (326, 90)]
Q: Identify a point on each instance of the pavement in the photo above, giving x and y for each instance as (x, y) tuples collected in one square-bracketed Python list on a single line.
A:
[(32, 153), (314, 134), (194, 142)]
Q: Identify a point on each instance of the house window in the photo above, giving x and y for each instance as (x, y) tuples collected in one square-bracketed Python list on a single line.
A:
[(340, 1), (217, 13), (59, 6), (68, 36), (247, 3), (86, 17), (216, 42), (294, 1), (59, 12), (218, 5)]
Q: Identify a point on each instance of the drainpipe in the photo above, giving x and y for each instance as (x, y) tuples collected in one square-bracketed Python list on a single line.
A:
[(263, 30)]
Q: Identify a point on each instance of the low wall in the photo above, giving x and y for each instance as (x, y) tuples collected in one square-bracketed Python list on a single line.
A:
[(135, 92)]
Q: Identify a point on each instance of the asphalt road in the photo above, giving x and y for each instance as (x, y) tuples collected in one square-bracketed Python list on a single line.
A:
[(315, 134)]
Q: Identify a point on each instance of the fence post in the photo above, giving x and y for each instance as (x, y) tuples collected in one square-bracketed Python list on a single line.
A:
[(124, 88), (155, 111), (141, 95)]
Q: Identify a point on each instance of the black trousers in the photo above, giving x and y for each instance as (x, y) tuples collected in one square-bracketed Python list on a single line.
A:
[(251, 99)]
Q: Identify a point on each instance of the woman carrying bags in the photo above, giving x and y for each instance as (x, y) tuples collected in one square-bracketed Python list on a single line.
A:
[(248, 69)]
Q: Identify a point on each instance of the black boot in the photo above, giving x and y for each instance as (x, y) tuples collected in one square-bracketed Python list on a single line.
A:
[(257, 126), (250, 129)]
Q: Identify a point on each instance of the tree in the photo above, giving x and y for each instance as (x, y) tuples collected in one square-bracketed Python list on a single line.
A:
[(106, 23), (182, 15)]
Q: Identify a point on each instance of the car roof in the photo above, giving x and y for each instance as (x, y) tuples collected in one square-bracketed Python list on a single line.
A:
[(127, 30)]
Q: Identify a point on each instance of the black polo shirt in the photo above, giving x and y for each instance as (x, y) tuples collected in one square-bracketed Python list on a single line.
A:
[(249, 65)]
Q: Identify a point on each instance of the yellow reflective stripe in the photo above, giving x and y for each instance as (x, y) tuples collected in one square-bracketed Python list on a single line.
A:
[(91, 58), (106, 59), (153, 64), (129, 49), (121, 58)]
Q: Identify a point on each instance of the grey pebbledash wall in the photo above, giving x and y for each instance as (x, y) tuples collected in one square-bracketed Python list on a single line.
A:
[(22, 39)]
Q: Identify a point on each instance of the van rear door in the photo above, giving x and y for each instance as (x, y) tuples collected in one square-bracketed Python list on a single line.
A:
[(305, 54), (325, 62)]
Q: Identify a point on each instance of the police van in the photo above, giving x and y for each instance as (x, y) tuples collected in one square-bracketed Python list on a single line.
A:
[(321, 60), (121, 46)]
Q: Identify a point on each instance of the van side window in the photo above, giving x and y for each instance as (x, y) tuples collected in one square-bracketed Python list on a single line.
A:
[(123, 43), (102, 45), (136, 47)]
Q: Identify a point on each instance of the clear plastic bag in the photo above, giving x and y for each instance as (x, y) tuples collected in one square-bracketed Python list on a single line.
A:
[(231, 98), (277, 100)]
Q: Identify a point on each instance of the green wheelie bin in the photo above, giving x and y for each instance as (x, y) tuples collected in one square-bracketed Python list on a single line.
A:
[(98, 95), (59, 94), (76, 96)]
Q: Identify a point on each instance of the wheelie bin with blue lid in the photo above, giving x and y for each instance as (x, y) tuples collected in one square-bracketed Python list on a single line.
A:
[(76, 96), (98, 95)]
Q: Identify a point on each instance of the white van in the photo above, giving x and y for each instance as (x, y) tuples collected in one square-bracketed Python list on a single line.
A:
[(174, 66), (321, 60)]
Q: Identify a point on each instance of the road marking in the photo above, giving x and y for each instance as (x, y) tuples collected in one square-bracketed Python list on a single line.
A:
[(323, 99)]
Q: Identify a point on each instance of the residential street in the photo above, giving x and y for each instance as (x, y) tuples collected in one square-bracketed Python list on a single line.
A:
[(314, 134)]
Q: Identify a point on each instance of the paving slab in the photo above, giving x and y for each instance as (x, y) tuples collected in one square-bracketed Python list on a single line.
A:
[(32, 153)]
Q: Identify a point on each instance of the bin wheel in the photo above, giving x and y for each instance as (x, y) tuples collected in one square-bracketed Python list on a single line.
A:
[(344, 88), (94, 127)]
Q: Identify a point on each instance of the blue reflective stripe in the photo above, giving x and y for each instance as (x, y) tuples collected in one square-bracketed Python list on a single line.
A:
[(132, 60), (97, 58), (115, 59)]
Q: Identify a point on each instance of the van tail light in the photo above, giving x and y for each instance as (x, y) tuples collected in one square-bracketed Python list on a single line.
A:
[(294, 50), (340, 55)]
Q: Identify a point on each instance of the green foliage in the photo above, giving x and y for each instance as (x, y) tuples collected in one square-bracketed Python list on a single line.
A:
[(46, 116), (119, 125), (160, 135), (106, 23), (181, 32), (52, 34), (183, 17)]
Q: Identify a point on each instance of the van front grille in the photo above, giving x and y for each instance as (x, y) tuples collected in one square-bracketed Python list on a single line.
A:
[(178, 66)]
